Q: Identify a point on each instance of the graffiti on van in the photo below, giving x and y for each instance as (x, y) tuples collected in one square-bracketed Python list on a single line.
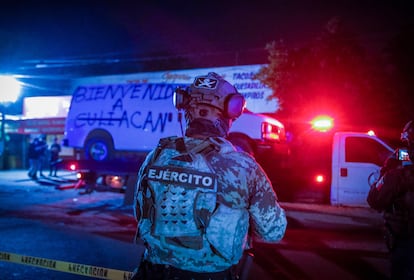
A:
[(123, 91), (136, 119), (136, 106)]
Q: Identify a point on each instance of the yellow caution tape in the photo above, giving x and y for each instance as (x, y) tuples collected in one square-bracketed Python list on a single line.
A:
[(69, 267)]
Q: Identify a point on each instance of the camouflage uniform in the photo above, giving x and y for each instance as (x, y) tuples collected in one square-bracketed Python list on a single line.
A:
[(197, 198), (213, 237)]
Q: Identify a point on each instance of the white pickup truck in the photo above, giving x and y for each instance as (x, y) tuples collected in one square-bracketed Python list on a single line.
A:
[(355, 158), (334, 167)]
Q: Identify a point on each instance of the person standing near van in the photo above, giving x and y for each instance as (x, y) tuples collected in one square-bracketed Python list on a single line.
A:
[(197, 199), (33, 156), (41, 149), (393, 195), (54, 152)]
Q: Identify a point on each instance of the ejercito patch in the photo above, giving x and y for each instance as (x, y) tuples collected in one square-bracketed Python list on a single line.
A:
[(173, 175)]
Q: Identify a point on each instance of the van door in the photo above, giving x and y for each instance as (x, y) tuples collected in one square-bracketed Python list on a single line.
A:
[(360, 155)]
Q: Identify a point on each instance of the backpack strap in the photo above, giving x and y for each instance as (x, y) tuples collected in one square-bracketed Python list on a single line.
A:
[(148, 199)]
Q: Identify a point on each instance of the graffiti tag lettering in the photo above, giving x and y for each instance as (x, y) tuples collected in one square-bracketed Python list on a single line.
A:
[(123, 91), (146, 121)]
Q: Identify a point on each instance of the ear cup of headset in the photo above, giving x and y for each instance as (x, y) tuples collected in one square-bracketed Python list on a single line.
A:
[(180, 98), (234, 105)]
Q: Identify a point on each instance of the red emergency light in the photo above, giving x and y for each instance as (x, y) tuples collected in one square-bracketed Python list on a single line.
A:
[(322, 123)]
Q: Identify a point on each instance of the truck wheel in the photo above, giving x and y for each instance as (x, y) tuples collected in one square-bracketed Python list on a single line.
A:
[(98, 149), (242, 145)]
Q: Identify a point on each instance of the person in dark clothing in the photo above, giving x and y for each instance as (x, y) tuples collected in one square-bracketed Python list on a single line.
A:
[(33, 156), (393, 195), (41, 149), (54, 151)]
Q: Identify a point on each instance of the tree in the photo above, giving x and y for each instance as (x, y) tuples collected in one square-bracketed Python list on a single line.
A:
[(400, 54), (333, 74)]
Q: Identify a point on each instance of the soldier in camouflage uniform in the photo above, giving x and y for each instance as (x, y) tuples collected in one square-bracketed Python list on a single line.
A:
[(197, 199), (393, 195)]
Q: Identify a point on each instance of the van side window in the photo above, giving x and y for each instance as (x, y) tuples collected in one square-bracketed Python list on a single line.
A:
[(364, 149)]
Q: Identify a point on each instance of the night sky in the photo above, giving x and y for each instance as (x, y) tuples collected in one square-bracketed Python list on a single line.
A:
[(36, 30), (76, 32)]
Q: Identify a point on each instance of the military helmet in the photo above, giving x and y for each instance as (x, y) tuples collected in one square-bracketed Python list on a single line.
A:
[(212, 91), (210, 104)]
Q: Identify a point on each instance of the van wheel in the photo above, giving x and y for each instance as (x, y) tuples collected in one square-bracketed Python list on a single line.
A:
[(242, 145), (98, 149)]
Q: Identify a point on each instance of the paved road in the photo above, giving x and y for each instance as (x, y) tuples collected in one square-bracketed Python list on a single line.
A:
[(37, 220), (322, 241)]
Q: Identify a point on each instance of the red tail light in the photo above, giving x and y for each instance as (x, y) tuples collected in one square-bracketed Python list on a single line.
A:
[(270, 132), (73, 166), (319, 178)]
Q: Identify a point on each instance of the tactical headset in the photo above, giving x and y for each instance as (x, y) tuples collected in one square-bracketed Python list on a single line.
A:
[(211, 90)]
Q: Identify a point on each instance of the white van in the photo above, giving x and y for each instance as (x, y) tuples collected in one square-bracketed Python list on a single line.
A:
[(113, 126)]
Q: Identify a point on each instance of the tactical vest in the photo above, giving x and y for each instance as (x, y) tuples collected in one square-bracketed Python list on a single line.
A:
[(181, 191)]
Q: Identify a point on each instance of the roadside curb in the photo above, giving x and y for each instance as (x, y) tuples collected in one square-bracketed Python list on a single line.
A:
[(330, 209), (363, 216)]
